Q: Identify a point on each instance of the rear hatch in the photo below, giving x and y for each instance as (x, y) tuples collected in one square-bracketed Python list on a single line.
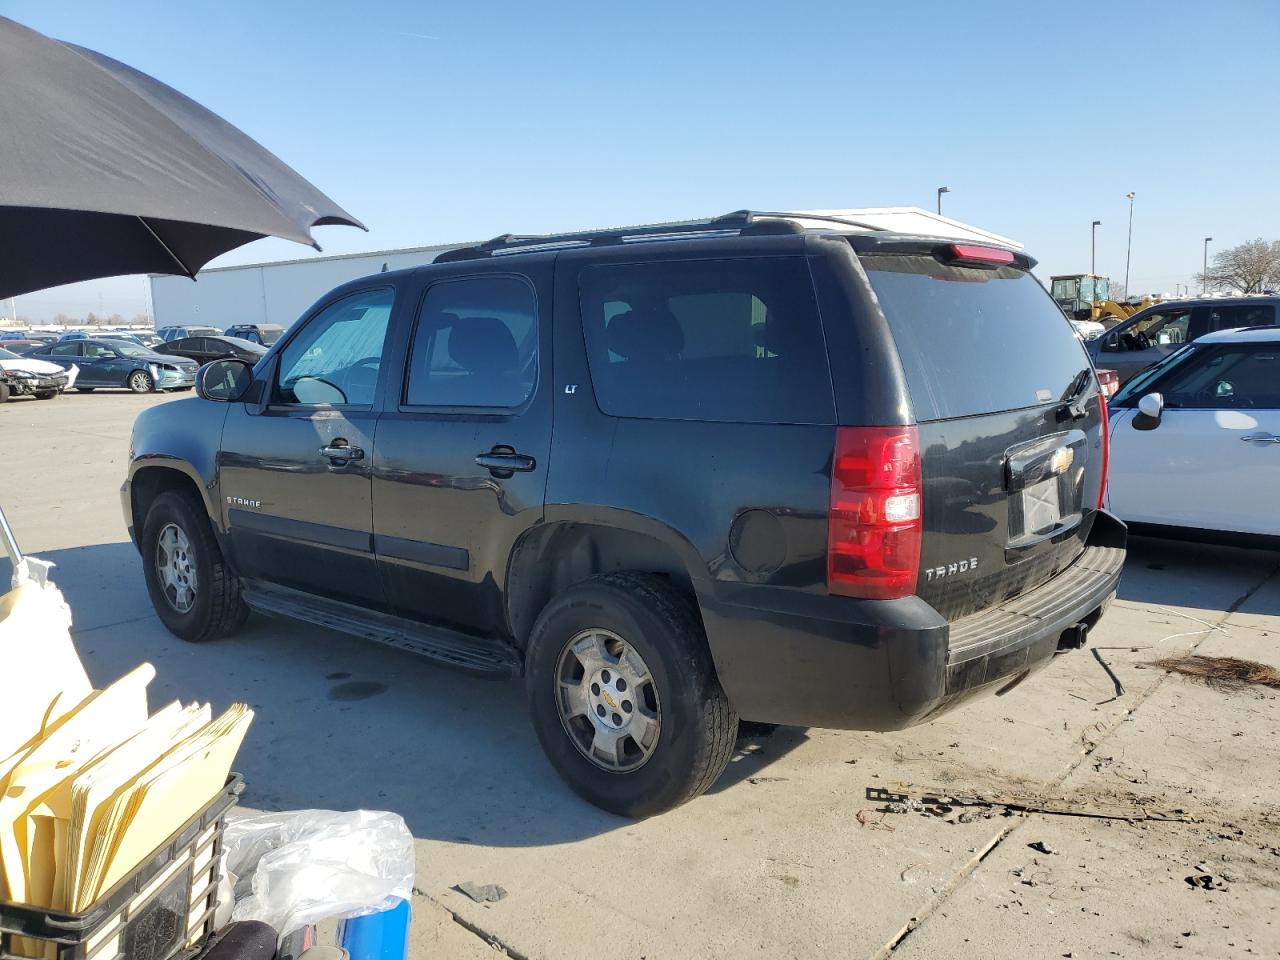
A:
[(1009, 419)]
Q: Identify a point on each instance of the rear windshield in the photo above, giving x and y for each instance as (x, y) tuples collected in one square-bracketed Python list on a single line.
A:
[(723, 340), (972, 340)]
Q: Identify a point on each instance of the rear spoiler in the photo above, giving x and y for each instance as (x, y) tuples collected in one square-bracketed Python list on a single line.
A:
[(944, 249)]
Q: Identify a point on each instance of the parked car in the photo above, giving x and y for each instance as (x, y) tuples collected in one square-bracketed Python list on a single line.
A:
[(23, 346), (39, 336), (27, 376), (205, 349), (774, 473), (12, 335), (1195, 440), (177, 333), (118, 363), (72, 335), (126, 337), (1088, 329), (1154, 333), (149, 339), (262, 333)]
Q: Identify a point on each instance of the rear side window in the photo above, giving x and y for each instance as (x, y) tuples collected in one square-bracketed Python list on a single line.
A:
[(475, 344), (1230, 316), (974, 341), (720, 340)]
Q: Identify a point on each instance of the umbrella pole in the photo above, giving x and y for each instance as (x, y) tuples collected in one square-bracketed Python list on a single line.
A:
[(10, 541)]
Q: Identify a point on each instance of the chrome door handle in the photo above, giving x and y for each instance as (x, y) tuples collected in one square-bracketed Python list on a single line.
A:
[(503, 463), (339, 450), (1262, 438)]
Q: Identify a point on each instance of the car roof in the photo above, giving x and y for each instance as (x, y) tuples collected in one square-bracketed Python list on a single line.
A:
[(1211, 301), (1267, 334)]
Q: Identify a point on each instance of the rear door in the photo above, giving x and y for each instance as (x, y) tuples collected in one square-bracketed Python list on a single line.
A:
[(1011, 473), (67, 355), (1212, 460), (1230, 316), (294, 471), (461, 463)]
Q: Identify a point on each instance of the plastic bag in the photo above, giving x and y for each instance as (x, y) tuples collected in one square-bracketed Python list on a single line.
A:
[(299, 867)]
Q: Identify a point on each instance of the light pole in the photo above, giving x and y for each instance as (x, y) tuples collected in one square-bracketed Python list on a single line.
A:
[(941, 191), (1204, 272), (1093, 248), (1128, 250)]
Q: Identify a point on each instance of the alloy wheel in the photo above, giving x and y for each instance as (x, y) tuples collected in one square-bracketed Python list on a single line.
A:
[(607, 700), (176, 568)]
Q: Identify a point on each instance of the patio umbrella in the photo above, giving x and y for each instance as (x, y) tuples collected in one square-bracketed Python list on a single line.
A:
[(107, 171)]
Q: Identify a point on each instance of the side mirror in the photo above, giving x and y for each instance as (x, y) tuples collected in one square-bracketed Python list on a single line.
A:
[(224, 380), (1111, 342), (1150, 409)]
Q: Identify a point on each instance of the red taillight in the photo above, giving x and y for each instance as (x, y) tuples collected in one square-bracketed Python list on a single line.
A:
[(1109, 381), (976, 254), (1105, 425), (873, 519)]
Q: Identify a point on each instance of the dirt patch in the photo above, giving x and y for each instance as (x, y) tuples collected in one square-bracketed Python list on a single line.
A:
[(1228, 673)]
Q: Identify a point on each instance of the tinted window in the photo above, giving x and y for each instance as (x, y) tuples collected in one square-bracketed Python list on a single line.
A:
[(722, 340), (475, 344), (1239, 375), (66, 350), (94, 349), (1228, 317), (973, 340), (335, 358)]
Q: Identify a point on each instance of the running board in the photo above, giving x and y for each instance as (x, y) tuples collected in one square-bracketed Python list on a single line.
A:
[(484, 657)]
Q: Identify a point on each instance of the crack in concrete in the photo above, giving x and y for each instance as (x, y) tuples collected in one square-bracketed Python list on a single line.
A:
[(1004, 833), (492, 939)]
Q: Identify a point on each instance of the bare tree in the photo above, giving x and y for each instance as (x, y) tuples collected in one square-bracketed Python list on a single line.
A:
[(1250, 268)]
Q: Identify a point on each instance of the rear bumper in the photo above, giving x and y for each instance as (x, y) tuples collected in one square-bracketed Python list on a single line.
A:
[(821, 661)]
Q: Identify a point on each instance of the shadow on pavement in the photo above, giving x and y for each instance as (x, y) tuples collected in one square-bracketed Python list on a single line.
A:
[(1178, 573), (343, 724)]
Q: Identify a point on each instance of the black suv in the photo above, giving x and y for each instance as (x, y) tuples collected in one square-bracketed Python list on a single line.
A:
[(673, 475), (1152, 334)]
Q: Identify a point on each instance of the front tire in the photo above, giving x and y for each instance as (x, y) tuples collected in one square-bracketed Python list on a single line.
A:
[(46, 394), (140, 382), (624, 696), (194, 593)]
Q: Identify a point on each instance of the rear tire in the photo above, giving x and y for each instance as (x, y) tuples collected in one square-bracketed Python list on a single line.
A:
[(673, 682), (4, 393), (46, 394), (140, 382), (189, 560)]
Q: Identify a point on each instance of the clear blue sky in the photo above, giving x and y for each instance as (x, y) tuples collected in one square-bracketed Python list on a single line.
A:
[(437, 122)]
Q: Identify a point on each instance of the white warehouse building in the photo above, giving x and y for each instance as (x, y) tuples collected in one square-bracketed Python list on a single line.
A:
[(276, 293), (279, 293)]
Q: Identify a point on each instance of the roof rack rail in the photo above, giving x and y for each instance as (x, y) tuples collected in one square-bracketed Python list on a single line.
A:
[(737, 223)]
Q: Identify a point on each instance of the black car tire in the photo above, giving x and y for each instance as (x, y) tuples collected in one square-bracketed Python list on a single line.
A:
[(4, 393), (46, 394), (698, 726), (140, 382), (85, 389), (218, 610)]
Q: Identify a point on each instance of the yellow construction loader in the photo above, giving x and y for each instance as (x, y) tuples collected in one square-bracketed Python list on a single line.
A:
[(1087, 296)]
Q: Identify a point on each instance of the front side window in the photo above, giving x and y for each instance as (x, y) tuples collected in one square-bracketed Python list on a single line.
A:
[(1245, 375), (1162, 329), (475, 344), (334, 360), (715, 340), (92, 350)]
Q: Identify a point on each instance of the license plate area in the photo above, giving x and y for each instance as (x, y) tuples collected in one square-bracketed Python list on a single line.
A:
[(1045, 481)]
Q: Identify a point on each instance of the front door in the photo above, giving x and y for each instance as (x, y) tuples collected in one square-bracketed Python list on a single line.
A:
[(1134, 346), (1212, 460), (461, 462), (294, 472)]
